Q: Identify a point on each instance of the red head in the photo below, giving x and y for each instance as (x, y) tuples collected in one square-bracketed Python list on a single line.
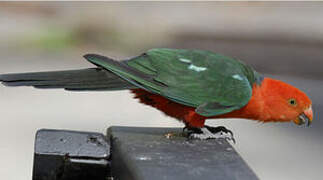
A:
[(283, 102)]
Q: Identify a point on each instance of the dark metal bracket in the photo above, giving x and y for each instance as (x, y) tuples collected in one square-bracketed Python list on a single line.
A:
[(134, 153)]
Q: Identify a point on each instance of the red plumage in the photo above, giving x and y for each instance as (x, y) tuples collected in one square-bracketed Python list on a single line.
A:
[(181, 112), (269, 103)]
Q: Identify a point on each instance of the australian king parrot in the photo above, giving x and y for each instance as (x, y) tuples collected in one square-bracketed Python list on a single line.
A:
[(188, 85)]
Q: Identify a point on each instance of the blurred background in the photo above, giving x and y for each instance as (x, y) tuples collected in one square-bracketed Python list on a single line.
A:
[(280, 39)]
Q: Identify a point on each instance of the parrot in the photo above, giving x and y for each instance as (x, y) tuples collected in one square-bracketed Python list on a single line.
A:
[(187, 84)]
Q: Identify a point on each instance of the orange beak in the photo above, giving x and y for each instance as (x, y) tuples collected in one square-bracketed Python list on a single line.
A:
[(305, 117)]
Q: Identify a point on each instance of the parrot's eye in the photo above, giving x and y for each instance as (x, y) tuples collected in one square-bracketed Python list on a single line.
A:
[(292, 102)]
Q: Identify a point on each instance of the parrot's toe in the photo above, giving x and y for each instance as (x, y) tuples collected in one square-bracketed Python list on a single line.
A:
[(219, 129), (208, 132)]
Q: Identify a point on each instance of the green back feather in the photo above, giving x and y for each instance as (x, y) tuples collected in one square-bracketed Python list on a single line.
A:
[(213, 83)]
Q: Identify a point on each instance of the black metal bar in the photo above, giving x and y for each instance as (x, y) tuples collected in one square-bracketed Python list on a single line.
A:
[(164, 154), (136, 154)]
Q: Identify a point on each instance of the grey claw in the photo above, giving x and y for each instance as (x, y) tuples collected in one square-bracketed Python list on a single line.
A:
[(231, 139), (231, 133)]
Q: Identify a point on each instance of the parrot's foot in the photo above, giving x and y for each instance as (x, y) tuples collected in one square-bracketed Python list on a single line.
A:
[(208, 132)]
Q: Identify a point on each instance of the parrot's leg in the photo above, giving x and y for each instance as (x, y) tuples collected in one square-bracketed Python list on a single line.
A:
[(208, 132)]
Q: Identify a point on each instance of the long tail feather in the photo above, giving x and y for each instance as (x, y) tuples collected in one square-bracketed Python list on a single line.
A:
[(78, 80)]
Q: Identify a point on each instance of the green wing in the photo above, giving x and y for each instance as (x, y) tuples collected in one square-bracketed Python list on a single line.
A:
[(213, 83)]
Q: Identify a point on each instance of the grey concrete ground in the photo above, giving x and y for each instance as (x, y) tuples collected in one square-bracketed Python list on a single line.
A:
[(280, 39)]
